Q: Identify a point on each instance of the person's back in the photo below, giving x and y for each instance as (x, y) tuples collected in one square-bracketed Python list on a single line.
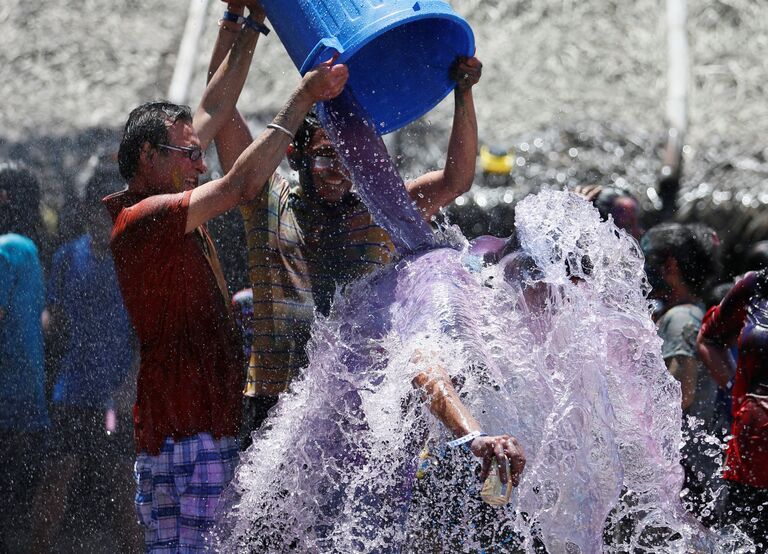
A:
[(98, 352), (22, 395), (678, 327), (91, 439), (23, 412)]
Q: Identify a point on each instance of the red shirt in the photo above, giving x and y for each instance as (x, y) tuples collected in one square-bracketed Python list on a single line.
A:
[(743, 313), (191, 373)]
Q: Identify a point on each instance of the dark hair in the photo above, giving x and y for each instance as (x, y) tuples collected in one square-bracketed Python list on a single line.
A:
[(20, 213), (695, 247), (306, 131), (147, 123), (606, 200), (105, 180), (757, 256)]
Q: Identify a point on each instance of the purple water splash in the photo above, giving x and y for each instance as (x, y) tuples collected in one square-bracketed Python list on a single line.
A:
[(376, 178)]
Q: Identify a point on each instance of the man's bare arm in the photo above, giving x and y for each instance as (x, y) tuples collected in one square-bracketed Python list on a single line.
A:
[(445, 404), (684, 369), (228, 70), (719, 362), (437, 189), (257, 163)]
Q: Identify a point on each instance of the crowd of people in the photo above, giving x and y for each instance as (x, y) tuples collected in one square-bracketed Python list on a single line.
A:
[(128, 342)]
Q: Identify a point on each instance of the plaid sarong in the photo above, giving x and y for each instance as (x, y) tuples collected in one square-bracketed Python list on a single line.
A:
[(177, 491)]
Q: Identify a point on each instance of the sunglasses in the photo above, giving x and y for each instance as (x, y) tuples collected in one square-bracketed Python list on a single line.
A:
[(324, 162), (194, 153)]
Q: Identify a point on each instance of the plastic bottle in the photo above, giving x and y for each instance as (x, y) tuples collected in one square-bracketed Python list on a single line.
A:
[(494, 492)]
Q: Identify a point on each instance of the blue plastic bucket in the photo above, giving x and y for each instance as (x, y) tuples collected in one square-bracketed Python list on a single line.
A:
[(398, 52)]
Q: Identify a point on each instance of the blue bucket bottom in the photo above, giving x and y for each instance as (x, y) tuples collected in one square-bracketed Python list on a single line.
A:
[(404, 72)]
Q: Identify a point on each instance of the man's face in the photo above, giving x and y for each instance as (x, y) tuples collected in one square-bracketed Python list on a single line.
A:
[(330, 178), (173, 170)]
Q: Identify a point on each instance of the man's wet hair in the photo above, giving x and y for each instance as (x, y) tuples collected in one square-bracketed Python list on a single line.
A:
[(306, 131), (694, 247), (20, 201), (147, 123)]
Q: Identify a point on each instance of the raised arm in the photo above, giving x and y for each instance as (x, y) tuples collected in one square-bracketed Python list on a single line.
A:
[(721, 328), (437, 189), (227, 72), (445, 404), (256, 164)]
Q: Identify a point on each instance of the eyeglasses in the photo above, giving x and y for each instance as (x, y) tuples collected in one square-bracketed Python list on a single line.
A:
[(323, 162), (194, 153)]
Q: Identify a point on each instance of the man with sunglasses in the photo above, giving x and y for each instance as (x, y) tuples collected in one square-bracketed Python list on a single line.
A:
[(187, 411), (305, 241)]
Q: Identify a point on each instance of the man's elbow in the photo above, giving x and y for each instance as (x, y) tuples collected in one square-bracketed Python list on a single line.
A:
[(459, 184)]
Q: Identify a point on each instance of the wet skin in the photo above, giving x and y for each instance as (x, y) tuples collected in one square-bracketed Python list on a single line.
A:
[(172, 171)]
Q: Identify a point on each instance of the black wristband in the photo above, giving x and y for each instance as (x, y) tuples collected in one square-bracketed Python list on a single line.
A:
[(233, 17), (256, 26)]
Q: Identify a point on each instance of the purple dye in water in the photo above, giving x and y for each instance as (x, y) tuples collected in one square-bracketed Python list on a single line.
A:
[(572, 368), (376, 178)]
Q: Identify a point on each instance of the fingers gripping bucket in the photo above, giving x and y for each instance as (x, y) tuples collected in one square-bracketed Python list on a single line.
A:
[(398, 52)]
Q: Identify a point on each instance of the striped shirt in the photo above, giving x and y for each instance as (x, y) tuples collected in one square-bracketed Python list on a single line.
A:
[(298, 254)]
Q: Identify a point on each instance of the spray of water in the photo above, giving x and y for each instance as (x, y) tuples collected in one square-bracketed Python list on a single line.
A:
[(552, 344)]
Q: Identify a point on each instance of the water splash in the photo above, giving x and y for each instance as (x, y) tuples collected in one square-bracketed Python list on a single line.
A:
[(552, 344), (376, 178)]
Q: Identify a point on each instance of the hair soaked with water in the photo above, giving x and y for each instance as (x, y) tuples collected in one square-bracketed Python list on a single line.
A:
[(147, 123)]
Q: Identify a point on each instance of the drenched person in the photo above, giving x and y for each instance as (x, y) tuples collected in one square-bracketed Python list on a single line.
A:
[(91, 438), (188, 407), (742, 318), (538, 340), (305, 241), (23, 411), (678, 265)]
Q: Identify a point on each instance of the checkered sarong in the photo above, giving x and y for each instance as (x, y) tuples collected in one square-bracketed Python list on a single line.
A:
[(177, 491)]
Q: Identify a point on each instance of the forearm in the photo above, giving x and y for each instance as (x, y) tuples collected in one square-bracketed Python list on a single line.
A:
[(228, 32), (683, 368), (257, 163), (444, 402), (460, 163), (226, 84), (719, 362)]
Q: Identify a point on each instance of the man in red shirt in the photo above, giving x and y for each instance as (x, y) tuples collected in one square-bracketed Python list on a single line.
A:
[(187, 410)]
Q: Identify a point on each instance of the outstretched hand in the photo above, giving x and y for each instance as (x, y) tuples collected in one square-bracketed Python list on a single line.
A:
[(326, 81), (501, 448), (588, 192), (466, 71)]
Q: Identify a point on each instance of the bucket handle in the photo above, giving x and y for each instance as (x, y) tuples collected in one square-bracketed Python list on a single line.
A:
[(322, 51)]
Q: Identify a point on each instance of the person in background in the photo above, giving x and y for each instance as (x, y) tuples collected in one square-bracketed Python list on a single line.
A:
[(756, 258), (620, 204), (187, 412), (679, 264), (91, 444), (742, 319), (23, 412)]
